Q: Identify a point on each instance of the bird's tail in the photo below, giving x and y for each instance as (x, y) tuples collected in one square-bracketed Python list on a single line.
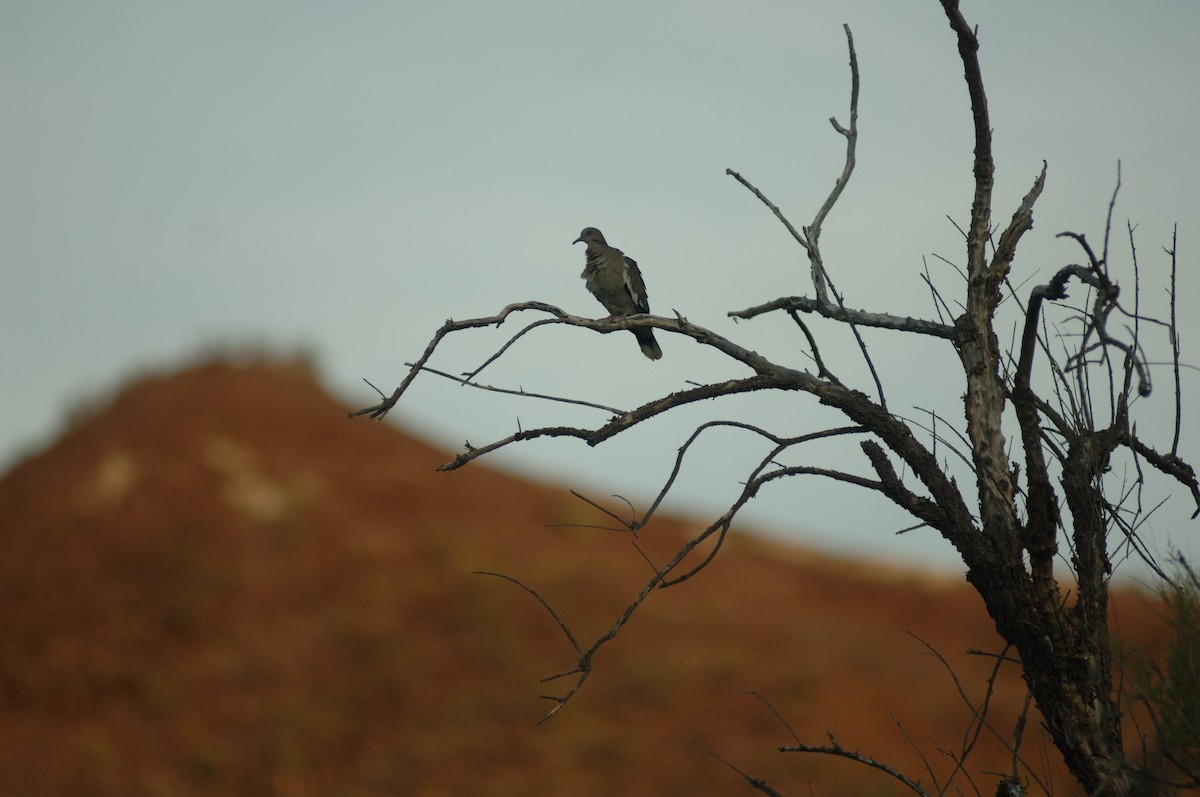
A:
[(645, 339)]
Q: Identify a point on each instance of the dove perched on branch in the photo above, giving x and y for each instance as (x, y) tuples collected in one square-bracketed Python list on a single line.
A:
[(615, 280)]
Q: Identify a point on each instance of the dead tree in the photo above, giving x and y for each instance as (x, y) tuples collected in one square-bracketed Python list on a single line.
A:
[(1047, 491)]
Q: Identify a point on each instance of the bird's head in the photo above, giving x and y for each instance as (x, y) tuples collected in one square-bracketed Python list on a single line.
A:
[(589, 236)]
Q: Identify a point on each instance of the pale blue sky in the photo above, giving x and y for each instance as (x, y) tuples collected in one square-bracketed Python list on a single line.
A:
[(345, 177)]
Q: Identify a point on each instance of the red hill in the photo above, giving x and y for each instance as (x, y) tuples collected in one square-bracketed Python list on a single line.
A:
[(219, 585)]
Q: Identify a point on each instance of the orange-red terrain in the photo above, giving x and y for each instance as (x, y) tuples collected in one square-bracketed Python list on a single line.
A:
[(220, 585)]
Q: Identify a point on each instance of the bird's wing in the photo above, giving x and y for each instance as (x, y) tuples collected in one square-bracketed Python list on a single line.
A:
[(635, 285)]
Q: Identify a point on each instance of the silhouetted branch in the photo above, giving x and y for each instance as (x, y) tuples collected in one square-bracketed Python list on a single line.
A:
[(839, 313), (1174, 338), (1169, 465), (631, 525), (813, 230), (981, 205), (758, 784), (781, 444), (678, 325), (466, 382), (1105, 302), (809, 237), (583, 658), (624, 421), (381, 409), (800, 238), (822, 370), (791, 731), (835, 749), (979, 715), (1022, 222)]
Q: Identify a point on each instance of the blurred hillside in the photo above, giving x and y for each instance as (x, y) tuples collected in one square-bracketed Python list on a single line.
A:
[(218, 584)]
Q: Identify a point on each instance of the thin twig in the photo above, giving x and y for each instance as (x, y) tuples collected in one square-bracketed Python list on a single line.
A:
[(813, 231), (508, 391), (758, 784), (835, 749), (631, 525), (979, 713), (470, 375), (800, 239), (1174, 338), (791, 731), (557, 618), (822, 370)]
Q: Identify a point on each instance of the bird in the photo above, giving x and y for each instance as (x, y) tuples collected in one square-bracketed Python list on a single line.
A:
[(616, 281)]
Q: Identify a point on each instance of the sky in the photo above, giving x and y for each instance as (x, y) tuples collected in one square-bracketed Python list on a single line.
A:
[(178, 177)]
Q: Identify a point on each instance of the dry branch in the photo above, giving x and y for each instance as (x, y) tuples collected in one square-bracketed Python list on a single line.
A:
[(837, 312)]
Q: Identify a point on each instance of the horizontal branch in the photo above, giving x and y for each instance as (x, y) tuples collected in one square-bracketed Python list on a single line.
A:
[(462, 380), (856, 406), (835, 749), (623, 421), (679, 324), (850, 316)]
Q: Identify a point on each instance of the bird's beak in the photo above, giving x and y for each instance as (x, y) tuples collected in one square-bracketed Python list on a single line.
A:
[(577, 240)]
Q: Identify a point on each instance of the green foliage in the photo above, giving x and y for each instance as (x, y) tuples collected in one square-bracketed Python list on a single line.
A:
[(1171, 687)]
